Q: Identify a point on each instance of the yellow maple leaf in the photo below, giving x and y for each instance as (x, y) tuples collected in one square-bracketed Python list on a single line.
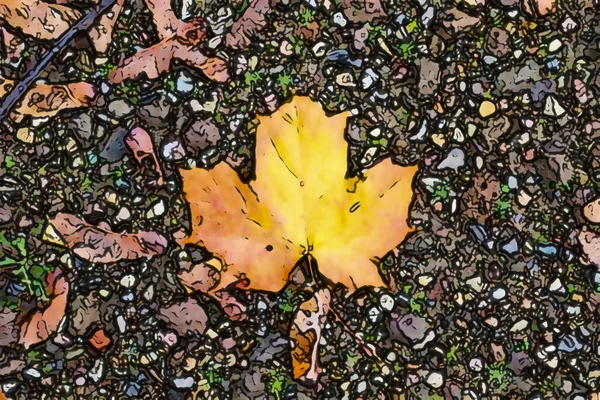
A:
[(300, 202)]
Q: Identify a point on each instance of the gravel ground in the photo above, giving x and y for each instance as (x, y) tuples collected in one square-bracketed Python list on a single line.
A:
[(494, 295)]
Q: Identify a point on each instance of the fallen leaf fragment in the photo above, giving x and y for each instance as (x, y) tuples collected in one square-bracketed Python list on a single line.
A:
[(235, 308), (45, 322), (299, 202), (179, 40), (12, 46), (44, 100), (163, 17), (156, 59), (363, 11), (9, 332), (186, 316), (202, 276), (38, 19), (248, 25), (101, 32), (590, 245), (140, 143), (305, 335), (99, 245)]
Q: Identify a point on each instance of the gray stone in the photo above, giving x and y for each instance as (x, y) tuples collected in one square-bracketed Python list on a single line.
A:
[(455, 159), (120, 108), (429, 77)]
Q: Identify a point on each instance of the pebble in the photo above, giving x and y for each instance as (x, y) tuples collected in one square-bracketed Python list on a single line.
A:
[(487, 109), (435, 380), (128, 281), (120, 108), (183, 383)]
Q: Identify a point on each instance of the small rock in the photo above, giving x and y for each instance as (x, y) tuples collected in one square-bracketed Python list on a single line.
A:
[(184, 83), (25, 135), (568, 24), (128, 281), (435, 380), (157, 209), (487, 109), (386, 302), (123, 214), (570, 344), (201, 135), (345, 79), (183, 383), (519, 326), (476, 364), (31, 373), (172, 150), (455, 159), (121, 324), (554, 45), (368, 78), (557, 287), (498, 293), (99, 340), (188, 317), (339, 19), (120, 108), (553, 108)]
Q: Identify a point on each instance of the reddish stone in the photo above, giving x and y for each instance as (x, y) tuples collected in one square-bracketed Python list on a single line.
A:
[(99, 340)]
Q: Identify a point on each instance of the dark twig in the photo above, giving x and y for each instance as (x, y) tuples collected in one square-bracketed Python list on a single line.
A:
[(23, 86)]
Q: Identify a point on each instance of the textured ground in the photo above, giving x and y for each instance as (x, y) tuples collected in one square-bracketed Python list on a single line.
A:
[(494, 295)]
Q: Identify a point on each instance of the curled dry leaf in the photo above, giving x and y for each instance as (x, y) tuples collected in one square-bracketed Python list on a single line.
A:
[(44, 100), (8, 326), (179, 40), (94, 244), (12, 46), (248, 25), (235, 307), (163, 17), (139, 142), (298, 204), (187, 317), (101, 32), (590, 244), (46, 21), (363, 11), (38, 19), (202, 276), (42, 323), (305, 335)]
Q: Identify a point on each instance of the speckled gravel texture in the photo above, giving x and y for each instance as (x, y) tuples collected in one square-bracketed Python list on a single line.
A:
[(494, 296)]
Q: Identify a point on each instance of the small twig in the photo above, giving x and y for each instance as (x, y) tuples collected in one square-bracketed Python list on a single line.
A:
[(361, 343), (23, 86)]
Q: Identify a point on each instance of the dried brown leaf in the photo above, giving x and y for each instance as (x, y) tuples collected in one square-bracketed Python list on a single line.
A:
[(235, 308), (164, 17), (187, 317), (305, 335), (248, 25), (44, 322), (101, 32), (44, 100), (38, 19), (103, 246), (139, 142), (12, 46)]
